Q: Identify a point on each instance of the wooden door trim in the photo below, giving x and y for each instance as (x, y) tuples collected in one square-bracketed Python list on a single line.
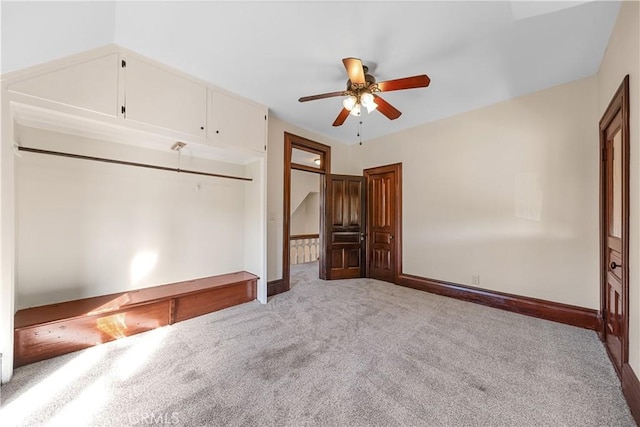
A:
[(619, 104), (292, 141), (396, 168)]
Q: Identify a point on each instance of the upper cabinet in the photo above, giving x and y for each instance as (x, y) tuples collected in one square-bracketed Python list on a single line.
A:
[(91, 85), (113, 91), (158, 97), (236, 122)]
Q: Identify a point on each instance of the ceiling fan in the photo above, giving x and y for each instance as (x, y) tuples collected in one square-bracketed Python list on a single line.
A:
[(362, 90)]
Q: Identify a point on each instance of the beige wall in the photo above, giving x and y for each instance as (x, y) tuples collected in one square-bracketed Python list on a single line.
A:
[(622, 57), (508, 192), (305, 202), (302, 183), (306, 218), (275, 174)]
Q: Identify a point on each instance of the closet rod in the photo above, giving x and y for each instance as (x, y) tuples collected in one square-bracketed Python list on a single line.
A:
[(121, 162)]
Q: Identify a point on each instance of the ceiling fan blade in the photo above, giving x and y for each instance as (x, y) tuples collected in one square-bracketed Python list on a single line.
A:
[(405, 83), (387, 109), (341, 117), (354, 70), (321, 96)]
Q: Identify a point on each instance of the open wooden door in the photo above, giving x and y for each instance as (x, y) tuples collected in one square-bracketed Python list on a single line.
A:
[(614, 229), (345, 226)]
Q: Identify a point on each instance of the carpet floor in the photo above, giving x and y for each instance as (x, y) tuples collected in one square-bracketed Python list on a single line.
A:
[(341, 353)]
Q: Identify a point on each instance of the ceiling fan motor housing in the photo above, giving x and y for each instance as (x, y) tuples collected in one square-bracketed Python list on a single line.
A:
[(369, 85)]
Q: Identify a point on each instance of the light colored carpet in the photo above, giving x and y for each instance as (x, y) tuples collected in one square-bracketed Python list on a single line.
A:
[(341, 353)]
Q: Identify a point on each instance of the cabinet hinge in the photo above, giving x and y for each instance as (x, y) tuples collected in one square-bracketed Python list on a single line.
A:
[(123, 109), (124, 64)]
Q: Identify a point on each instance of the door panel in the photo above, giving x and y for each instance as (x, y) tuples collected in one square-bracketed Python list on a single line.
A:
[(345, 212), (614, 217), (614, 296), (382, 217)]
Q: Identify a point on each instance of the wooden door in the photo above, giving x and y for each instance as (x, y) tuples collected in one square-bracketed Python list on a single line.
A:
[(614, 224), (383, 230), (345, 210)]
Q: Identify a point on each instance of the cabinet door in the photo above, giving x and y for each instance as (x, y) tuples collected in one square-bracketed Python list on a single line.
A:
[(90, 85), (158, 97), (236, 122)]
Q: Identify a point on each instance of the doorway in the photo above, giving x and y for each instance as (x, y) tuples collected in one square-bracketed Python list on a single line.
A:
[(304, 223), (304, 155), (614, 227), (350, 246)]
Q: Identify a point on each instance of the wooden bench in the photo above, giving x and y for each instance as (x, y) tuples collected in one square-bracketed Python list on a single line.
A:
[(56, 329)]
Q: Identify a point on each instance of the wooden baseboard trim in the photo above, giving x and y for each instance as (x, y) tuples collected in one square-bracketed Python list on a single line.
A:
[(631, 391), (549, 310), (275, 287)]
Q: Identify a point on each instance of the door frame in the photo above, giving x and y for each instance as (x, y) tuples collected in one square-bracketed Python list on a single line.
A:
[(619, 104), (396, 168), (292, 141)]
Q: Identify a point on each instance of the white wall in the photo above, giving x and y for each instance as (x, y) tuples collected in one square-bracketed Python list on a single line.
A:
[(87, 228), (508, 192), (622, 57), (7, 220), (275, 175), (255, 225)]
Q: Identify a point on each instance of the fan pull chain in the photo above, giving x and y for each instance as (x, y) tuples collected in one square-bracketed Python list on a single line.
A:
[(360, 131)]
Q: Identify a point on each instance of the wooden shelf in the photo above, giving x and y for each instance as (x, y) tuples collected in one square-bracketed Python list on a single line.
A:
[(56, 329)]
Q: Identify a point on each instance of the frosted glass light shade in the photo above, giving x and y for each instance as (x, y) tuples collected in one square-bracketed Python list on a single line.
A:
[(349, 102), (355, 111), (366, 99), (371, 107)]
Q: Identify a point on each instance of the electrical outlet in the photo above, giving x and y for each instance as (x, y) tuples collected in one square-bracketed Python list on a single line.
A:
[(475, 279)]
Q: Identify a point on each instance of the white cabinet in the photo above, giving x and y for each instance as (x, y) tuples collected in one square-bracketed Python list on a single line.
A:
[(91, 85), (118, 88), (158, 97), (236, 122)]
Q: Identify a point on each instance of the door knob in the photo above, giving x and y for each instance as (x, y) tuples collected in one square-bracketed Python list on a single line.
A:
[(613, 265)]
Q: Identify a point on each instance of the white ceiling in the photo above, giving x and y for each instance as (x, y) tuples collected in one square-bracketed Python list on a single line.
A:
[(476, 53)]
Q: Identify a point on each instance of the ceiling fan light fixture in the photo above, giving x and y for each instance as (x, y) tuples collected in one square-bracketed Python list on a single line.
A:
[(349, 102), (362, 91)]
